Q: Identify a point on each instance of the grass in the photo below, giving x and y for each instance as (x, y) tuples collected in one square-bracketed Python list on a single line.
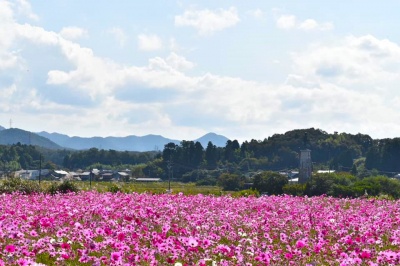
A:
[(142, 187)]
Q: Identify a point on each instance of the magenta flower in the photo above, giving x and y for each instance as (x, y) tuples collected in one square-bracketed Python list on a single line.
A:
[(289, 255), (365, 254), (192, 242), (300, 244), (116, 256), (65, 245), (10, 248), (146, 229)]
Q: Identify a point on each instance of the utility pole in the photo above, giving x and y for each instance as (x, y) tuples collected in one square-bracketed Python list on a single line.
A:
[(170, 167), (40, 166), (169, 175), (90, 179), (4, 168)]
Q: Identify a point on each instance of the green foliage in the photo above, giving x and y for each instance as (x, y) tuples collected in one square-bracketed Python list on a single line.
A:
[(378, 185), (270, 182), (207, 181), (342, 191), (320, 184), (246, 193), (347, 185), (384, 155), (154, 168), (231, 182), (65, 186), (294, 189), (93, 156), (114, 188), (16, 184)]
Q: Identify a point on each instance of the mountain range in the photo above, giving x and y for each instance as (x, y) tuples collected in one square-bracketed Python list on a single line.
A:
[(128, 143)]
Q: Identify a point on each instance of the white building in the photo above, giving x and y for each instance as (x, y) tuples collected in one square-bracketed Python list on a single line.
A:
[(31, 174)]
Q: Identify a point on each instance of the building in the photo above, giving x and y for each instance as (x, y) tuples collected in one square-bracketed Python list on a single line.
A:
[(123, 176), (148, 179), (32, 174), (305, 166), (325, 171), (60, 175)]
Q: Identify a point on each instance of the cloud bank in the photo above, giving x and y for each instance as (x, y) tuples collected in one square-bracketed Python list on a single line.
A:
[(348, 85)]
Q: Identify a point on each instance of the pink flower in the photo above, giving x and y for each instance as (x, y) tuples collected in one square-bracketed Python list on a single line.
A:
[(300, 244), (192, 242), (65, 245), (289, 255), (10, 248), (116, 256), (23, 262), (121, 236), (365, 254)]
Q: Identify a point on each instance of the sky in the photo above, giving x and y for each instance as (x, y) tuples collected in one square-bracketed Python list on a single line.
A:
[(181, 69)]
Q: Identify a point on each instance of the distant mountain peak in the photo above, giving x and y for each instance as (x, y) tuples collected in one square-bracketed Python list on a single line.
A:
[(217, 140), (15, 135)]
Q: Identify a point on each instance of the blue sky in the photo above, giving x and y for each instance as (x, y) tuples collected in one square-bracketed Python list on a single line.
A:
[(181, 69)]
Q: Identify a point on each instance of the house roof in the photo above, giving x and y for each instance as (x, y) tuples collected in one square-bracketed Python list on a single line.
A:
[(123, 174), (325, 171), (107, 174), (61, 172), (148, 179)]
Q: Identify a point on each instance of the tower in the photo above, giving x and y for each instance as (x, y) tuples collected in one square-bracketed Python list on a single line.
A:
[(305, 166)]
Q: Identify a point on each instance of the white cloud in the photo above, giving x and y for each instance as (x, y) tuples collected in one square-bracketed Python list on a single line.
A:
[(256, 13), (288, 22), (355, 79), (350, 85), (119, 35), (208, 21), (8, 58), (73, 33), (310, 24), (24, 8), (149, 42), (8, 91), (179, 62), (233, 104), (366, 61), (6, 12)]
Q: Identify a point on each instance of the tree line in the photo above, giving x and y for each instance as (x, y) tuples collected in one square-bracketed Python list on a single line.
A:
[(189, 161)]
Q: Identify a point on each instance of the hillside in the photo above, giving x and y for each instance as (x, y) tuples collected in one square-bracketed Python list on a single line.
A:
[(15, 135), (217, 140)]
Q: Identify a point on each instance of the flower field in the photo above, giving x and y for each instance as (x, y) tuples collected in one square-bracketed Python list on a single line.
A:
[(91, 228)]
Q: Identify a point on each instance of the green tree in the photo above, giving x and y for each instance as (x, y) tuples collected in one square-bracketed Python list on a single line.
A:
[(231, 182), (294, 189), (270, 182), (320, 184), (211, 155)]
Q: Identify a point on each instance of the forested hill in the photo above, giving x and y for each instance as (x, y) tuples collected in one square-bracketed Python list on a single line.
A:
[(15, 135), (340, 151), (357, 153)]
